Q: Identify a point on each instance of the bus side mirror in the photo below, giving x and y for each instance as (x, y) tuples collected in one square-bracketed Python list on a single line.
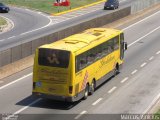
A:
[(125, 45)]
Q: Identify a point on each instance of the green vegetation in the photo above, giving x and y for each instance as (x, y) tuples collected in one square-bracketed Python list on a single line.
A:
[(157, 115), (47, 5), (2, 21)]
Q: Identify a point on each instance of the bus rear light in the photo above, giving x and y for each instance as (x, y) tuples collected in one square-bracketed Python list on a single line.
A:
[(70, 89)]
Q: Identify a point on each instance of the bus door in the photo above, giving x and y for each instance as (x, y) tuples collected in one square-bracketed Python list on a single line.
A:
[(121, 46)]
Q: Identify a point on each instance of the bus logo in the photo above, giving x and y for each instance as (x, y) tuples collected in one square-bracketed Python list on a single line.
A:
[(53, 59)]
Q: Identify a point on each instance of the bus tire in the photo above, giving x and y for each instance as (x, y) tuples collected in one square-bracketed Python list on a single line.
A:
[(92, 87), (86, 92), (116, 70)]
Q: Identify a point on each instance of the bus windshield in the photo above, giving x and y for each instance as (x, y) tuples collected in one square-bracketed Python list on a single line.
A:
[(53, 58)]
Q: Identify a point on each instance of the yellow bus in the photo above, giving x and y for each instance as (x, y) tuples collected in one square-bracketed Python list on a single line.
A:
[(71, 68)]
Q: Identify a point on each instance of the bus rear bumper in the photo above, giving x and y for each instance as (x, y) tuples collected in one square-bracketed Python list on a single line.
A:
[(59, 98)]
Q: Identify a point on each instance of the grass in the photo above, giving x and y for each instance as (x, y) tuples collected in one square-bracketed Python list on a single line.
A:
[(2, 21), (157, 115), (47, 5)]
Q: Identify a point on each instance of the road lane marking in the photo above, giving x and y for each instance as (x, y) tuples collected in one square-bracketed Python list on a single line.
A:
[(2, 40), (143, 36), (158, 52), (82, 113), (112, 89), (15, 81), (22, 109), (134, 72), (97, 101), (151, 58), (11, 37), (141, 21), (11, 22), (152, 104), (124, 80), (142, 65)]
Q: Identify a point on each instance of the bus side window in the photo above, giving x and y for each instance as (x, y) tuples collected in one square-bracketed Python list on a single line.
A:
[(90, 58), (116, 43)]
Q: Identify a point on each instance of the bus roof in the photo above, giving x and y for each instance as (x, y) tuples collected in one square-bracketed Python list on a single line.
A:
[(91, 36)]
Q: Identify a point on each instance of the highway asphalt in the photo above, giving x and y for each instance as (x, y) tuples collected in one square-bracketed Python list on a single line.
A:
[(30, 24), (134, 90), (23, 20)]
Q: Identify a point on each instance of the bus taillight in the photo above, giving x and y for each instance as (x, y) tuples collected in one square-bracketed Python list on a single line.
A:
[(70, 89)]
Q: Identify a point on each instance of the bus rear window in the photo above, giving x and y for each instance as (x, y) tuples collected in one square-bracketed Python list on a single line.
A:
[(53, 58)]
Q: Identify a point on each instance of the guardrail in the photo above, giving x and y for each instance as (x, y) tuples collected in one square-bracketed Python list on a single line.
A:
[(17, 52), (24, 49), (142, 4)]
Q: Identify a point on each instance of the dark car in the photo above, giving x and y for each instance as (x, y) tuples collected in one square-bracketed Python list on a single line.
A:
[(111, 4), (4, 8)]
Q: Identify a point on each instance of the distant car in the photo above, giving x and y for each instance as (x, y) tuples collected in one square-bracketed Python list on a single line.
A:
[(4, 8), (111, 4)]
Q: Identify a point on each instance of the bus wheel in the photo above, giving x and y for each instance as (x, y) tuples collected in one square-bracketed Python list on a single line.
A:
[(116, 70), (86, 92), (92, 87)]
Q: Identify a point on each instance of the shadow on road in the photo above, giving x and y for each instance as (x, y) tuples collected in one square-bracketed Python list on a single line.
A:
[(46, 103)]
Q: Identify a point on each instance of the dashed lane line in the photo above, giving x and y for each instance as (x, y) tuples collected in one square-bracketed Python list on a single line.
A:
[(97, 101), (158, 52), (112, 89), (151, 58), (82, 113), (11, 37), (124, 80), (2, 40), (142, 65), (134, 72)]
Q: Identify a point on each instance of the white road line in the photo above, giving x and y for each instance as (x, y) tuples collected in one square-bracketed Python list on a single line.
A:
[(12, 23), (22, 109), (158, 52), (82, 113), (59, 17), (15, 81), (78, 13), (50, 22), (39, 12), (151, 58), (2, 40), (134, 72), (143, 36), (124, 80), (69, 15), (143, 64), (112, 89), (97, 101), (152, 104), (11, 37), (141, 21)]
